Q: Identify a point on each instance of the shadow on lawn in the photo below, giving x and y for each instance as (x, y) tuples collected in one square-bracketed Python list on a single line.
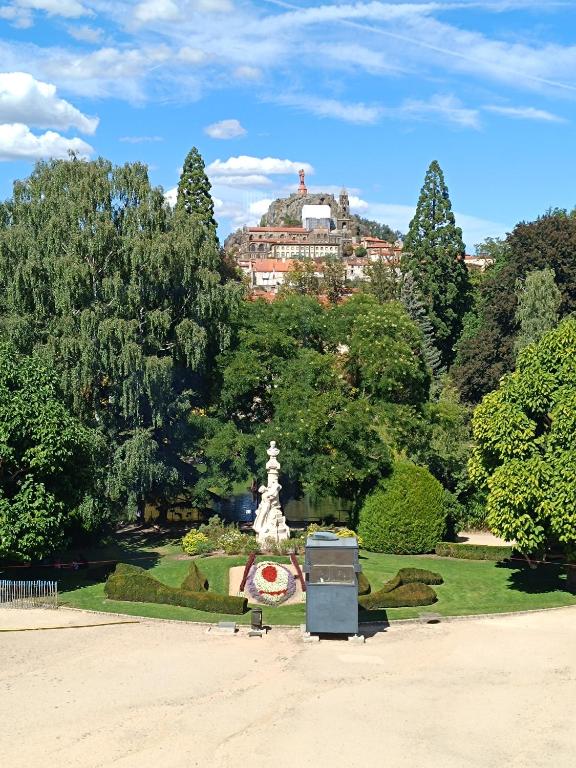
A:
[(548, 577), (89, 565)]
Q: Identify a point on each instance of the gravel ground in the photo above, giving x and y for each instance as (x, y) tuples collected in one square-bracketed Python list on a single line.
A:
[(481, 692)]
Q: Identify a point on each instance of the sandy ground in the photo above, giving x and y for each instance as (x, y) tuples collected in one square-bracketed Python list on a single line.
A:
[(485, 538), (481, 692), (235, 579)]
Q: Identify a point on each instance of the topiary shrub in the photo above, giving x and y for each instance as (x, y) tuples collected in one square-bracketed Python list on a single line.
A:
[(412, 575), (406, 514), (363, 584), (195, 580), (407, 589), (404, 596), (134, 584)]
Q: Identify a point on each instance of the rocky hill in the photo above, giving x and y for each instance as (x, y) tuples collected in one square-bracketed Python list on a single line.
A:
[(287, 212)]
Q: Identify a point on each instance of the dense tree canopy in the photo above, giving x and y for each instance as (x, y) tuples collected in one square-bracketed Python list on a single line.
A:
[(525, 451), (433, 253), (311, 378), (486, 350), (125, 300), (50, 482)]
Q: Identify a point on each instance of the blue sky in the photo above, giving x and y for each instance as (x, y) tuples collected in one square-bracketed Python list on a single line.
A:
[(361, 94)]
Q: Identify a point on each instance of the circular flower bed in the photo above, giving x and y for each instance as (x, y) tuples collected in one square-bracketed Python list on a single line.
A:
[(270, 583)]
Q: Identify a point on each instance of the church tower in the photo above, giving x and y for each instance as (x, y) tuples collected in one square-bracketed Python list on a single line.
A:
[(343, 221)]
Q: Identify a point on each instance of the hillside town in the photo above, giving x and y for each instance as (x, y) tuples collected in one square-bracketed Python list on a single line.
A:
[(317, 227)]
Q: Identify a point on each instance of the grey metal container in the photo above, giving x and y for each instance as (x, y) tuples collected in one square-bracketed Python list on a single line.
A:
[(331, 568)]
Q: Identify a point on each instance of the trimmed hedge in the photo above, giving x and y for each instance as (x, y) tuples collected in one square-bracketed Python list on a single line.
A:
[(404, 596), (195, 581), (412, 575), (134, 584), (406, 515), (363, 584), (409, 588), (473, 551)]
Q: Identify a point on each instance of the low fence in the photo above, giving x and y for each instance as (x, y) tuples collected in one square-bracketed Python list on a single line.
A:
[(28, 594)]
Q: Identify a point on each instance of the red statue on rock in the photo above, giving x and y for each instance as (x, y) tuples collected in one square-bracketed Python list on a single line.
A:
[(302, 190)]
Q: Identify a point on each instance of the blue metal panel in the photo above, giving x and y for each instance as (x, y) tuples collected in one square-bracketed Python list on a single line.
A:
[(332, 609)]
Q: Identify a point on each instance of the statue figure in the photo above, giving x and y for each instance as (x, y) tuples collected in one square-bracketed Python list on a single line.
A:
[(270, 523)]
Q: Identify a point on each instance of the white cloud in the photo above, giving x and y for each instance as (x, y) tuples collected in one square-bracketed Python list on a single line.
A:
[(17, 142), (248, 180), (447, 108), (357, 205), (70, 9), (245, 164), (21, 18), (85, 33), (171, 196), (526, 113), (156, 10), (260, 207), (191, 55), (351, 113), (23, 99), (225, 129), (245, 72)]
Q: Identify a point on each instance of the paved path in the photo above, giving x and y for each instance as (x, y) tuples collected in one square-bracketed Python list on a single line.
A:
[(480, 693)]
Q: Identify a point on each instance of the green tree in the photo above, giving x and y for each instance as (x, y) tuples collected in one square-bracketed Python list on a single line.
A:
[(50, 483), (302, 278), (333, 283), (377, 229), (380, 350), (410, 298), (194, 196), (282, 382), (538, 303), (382, 280), (486, 351), (433, 252), (525, 453), (126, 301)]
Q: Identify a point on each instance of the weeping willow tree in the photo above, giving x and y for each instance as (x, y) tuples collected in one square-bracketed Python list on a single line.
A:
[(126, 300)]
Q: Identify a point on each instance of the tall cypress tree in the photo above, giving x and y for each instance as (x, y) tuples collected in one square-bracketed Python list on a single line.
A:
[(194, 190), (434, 253)]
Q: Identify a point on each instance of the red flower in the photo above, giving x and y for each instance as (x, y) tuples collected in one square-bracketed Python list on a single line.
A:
[(270, 573)]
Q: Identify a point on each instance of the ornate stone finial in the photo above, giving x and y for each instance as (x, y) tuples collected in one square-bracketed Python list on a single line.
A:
[(302, 189)]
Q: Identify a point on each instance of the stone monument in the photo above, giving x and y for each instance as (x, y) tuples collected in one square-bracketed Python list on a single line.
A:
[(270, 523)]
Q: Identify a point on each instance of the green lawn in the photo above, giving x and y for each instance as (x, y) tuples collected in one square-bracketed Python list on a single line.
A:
[(470, 587)]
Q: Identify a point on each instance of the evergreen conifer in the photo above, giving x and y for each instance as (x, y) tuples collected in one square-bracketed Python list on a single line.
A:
[(409, 296), (433, 252), (194, 190)]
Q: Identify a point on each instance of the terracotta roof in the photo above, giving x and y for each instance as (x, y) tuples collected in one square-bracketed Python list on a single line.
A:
[(271, 265)]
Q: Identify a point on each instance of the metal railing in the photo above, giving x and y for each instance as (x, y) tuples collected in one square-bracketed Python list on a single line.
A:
[(28, 594)]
